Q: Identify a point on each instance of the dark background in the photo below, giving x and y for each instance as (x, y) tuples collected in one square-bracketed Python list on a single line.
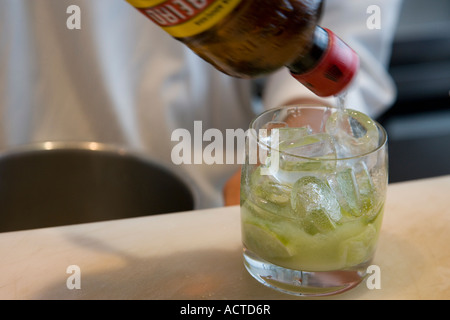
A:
[(418, 124)]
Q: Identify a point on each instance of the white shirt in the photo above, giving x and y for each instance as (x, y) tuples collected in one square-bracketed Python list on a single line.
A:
[(122, 80)]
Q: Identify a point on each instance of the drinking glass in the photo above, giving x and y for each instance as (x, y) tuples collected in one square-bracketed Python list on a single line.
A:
[(313, 189)]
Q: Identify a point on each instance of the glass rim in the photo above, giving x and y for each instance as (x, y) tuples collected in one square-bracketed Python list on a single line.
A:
[(253, 130)]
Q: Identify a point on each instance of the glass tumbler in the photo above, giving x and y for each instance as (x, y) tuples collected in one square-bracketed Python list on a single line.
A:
[(313, 189)]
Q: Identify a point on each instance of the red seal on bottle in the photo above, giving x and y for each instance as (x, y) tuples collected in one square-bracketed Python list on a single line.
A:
[(334, 71)]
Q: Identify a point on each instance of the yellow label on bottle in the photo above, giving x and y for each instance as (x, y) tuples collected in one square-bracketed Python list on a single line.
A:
[(185, 18)]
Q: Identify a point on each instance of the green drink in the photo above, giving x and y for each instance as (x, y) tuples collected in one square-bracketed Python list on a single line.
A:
[(310, 223)]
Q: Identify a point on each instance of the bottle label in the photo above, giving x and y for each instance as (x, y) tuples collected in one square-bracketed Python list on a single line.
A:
[(185, 18)]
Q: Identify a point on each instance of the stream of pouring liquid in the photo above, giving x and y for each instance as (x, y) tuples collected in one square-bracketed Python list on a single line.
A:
[(341, 99), (341, 102), (341, 123), (340, 106)]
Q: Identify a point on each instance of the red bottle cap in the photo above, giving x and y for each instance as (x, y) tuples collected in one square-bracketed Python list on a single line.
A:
[(334, 71)]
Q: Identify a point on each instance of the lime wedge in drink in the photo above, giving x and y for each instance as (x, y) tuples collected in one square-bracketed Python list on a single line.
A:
[(264, 242), (359, 248)]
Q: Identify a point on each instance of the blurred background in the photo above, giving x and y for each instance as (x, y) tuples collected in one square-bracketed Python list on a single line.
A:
[(418, 124)]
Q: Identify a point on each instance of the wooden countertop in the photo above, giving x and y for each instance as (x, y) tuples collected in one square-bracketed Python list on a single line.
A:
[(197, 255)]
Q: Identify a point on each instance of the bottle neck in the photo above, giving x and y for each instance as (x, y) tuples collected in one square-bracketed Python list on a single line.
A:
[(328, 67), (309, 60)]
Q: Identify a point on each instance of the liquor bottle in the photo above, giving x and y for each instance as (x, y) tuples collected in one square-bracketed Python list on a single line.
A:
[(252, 38)]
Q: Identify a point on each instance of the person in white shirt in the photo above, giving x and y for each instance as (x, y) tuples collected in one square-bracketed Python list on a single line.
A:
[(121, 80)]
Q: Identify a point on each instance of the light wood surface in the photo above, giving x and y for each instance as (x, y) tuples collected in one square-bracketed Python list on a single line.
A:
[(197, 255)]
